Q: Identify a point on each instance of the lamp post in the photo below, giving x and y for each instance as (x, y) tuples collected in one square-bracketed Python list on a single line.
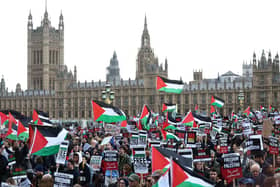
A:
[(107, 95), (241, 99)]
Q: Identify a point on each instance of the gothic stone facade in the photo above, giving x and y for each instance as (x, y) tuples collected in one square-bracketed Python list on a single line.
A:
[(54, 89)]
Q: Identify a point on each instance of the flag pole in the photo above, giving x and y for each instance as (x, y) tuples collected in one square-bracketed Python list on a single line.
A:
[(35, 132), (171, 171)]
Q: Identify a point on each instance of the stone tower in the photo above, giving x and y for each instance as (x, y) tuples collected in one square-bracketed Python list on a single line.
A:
[(113, 70), (45, 48), (147, 64), (265, 76)]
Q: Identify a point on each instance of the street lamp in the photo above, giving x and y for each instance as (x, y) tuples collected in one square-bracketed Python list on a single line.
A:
[(108, 96)]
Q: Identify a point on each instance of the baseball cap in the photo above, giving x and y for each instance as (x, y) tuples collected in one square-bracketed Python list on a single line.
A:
[(134, 177)]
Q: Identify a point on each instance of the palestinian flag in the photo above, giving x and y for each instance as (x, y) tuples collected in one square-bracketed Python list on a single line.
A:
[(201, 119), (262, 108), (4, 118), (145, 117), (159, 161), (247, 111), (17, 125), (212, 110), (139, 151), (12, 128), (41, 118), (124, 124), (183, 177), (107, 113), (45, 140), (196, 108), (167, 126), (22, 131), (271, 108), (218, 102), (168, 107), (170, 86), (189, 120), (168, 135)]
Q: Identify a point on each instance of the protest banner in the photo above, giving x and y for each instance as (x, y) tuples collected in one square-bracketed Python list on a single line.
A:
[(154, 143), (134, 139), (143, 138), (181, 134), (95, 162), (223, 142), (112, 129), (187, 153), (111, 160), (273, 145), (63, 179), (254, 143), (62, 153), (201, 155), (231, 166), (139, 160), (191, 139), (155, 135)]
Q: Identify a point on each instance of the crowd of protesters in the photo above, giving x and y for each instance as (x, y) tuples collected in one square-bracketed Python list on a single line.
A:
[(258, 169)]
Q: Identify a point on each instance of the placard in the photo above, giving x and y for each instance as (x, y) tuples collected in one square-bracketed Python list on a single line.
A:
[(191, 139), (247, 130), (62, 153), (155, 135), (254, 143), (273, 145), (154, 143), (95, 162), (201, 155), (133, 140), (223, 142), (186, 153), (63, 179), (181, 134), (231, 166), (143, 138), (111, 160)]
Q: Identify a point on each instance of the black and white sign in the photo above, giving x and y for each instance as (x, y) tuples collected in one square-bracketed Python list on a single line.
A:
[(62, 153), (63, 179)]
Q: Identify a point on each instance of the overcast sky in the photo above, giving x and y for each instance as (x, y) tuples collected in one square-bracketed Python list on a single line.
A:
[(212, 35)]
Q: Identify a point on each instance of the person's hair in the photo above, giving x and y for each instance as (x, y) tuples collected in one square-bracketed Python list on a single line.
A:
[(127, 167), (255, 165), (46, 181), (269, 181), (39, 160), (11, 181)]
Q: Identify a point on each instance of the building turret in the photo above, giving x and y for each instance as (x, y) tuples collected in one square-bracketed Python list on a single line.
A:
[(254, 58), (75, 73), (61, 22), (30, 22), (113, 70), (145, 35), (269, 60)]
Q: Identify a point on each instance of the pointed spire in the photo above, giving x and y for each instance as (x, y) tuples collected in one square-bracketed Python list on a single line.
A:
[(114, 55), (30, 15), (145, 23)]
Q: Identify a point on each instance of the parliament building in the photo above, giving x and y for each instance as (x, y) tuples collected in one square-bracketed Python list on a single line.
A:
[(54, 89)]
